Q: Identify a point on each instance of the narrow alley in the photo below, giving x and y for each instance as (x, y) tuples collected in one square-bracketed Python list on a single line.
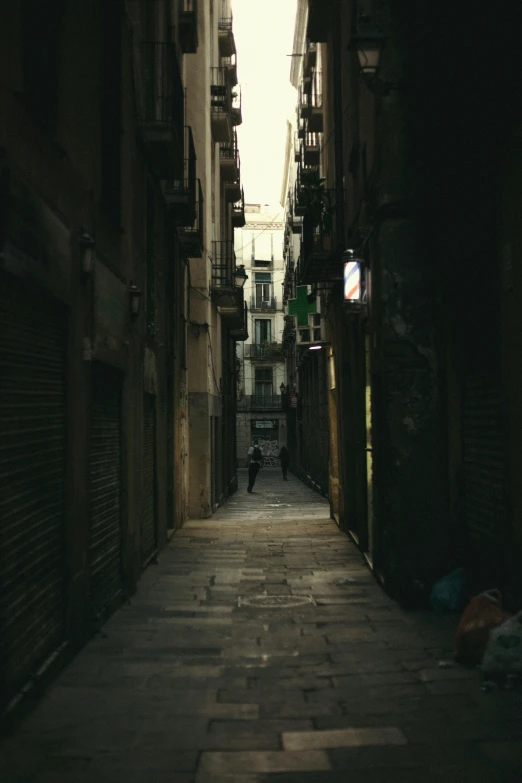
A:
[(261, 648)]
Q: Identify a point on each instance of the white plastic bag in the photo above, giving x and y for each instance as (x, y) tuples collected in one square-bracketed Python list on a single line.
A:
[(504, 651)]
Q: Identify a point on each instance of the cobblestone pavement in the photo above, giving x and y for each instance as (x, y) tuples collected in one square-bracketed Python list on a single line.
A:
[(243, 659)]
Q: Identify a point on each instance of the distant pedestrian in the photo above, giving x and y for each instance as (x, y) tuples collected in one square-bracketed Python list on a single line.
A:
[(284, 459), (254, 462)]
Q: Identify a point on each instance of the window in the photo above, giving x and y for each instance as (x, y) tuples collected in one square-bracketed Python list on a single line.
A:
[(264, 383), (263, 283), (263, 330)]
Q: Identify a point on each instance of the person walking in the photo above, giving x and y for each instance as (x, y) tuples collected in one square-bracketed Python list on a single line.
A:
[(284, 459), (254, 462)]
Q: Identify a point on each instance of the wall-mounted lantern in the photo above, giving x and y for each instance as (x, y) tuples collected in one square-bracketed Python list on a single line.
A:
[(135, 295), (367, 44), (86, 244), (240, 276)]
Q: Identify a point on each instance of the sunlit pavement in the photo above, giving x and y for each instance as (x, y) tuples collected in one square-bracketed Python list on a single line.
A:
[(246, 656)]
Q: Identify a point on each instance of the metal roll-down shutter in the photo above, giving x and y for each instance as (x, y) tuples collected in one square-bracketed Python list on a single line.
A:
[(33, 439), (105, 489), (484, 463), (148, 518)]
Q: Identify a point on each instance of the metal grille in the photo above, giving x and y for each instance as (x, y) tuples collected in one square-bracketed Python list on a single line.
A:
[(148, 518), (32, 477), (104, 555), (483, 449)]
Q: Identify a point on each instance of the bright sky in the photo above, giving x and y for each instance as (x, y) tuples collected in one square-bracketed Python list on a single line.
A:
[(264, 34)]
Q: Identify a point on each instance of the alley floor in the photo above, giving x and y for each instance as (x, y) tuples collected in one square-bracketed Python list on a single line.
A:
[(260, 649)]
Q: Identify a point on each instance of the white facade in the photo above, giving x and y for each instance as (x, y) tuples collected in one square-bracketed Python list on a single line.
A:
[(262, 363)]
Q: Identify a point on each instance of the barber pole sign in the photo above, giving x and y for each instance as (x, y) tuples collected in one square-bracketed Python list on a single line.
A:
[(352, 281)]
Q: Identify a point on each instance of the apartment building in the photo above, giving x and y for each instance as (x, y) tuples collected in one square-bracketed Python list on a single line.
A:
[(120, 306), (261, 362), (217, 307)]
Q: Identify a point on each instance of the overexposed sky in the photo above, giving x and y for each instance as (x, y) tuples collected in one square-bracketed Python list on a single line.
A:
[(264, 34)]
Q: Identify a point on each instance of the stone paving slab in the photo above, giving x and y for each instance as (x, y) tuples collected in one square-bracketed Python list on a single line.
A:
[(186, 684)]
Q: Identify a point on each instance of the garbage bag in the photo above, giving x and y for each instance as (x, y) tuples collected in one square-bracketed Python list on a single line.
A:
[(482, 614), (503, 653), (446, 594)]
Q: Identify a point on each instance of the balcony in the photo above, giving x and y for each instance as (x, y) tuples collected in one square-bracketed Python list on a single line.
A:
[(265, 351), (236, 113), (226, 43), (297, 147), (191, 237), (188, 26), (262, 305), (303, 102), (230, 66), (162, 108), (264, 402), (315, 105), (238, 212), (310, 58), (319, 20), (232, 186), (220, 106), (229, 159), (320, 259), (311, 149), (241, 334), (225, 293), (180, 194)]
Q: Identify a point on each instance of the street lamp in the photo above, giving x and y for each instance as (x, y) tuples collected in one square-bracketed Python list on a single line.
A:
[(86, 244), (240, 276), (135, 294), (368, 42)]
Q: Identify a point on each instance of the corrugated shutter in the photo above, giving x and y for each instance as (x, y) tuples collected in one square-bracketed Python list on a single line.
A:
[(105, 489), (148, 518), (484, 468), (32, 477)]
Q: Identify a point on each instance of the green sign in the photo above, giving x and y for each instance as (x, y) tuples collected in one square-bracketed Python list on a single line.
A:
[(301, 307)]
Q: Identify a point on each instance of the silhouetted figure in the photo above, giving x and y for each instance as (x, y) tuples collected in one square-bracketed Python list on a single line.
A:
[(254, 462), (284, 459)]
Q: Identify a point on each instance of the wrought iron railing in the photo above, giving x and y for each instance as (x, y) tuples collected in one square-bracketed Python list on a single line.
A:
[(223, 265), (220, 94), (265, 350), (257, 303)]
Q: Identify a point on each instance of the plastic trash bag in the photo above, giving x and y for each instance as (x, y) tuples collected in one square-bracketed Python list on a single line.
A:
[(503, 653), (483, 614), (446, 594)]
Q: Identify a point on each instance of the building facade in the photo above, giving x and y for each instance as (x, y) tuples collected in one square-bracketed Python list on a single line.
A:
[(218, 311), (261, 362), (109, 226), (421, 370)]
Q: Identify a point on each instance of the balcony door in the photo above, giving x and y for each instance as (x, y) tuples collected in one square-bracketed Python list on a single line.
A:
[(264, 379), (263, 330), (263, 284)]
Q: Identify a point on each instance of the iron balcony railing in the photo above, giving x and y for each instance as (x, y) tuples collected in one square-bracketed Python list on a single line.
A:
[(220, 93), (191, 236), (230, 66), (257, 303), (229, 153), (227, 46), (238, 212), (310, 58), (266, 350), (270, 402), (181, 193), (223, 265), (235, 111)]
